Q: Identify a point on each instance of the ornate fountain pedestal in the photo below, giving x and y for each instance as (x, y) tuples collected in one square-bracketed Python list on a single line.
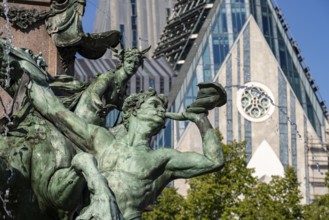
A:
[(29, 31)]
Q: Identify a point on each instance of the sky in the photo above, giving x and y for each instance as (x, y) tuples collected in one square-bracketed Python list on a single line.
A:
[(308, 22), (88, 19)]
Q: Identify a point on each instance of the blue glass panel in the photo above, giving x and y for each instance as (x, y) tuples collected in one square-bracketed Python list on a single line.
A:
[(283, 61), (297, 85), (267, 24), (133, 8), (220, 42), (266, 30), (122, 31), (215, 29), (152, 82), (207, 77), (313, 117), (238, 16), (134, 35), (191, 91), (133, 20), (223, 20), (122, 28), (168, 134), (206, 55), (216, 54), (223, 48)]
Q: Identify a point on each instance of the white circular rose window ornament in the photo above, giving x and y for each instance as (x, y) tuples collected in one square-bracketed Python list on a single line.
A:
[(255, 102)]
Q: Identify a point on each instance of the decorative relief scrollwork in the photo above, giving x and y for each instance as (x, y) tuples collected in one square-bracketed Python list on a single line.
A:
[(24, 19), (255, 102)]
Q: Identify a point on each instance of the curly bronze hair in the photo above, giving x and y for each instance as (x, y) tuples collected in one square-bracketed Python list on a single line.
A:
[(134, 102)]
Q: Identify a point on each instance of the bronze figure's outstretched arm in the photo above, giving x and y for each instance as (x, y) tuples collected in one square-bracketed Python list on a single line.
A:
[(75, 128), (190, 164)]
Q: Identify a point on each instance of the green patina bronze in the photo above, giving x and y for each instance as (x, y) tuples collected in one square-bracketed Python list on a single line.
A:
[(58, 161), (64, 25), (59, 151), (30, 135)]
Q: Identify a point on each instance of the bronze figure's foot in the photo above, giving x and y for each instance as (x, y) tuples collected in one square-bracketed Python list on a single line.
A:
[(94, 46)]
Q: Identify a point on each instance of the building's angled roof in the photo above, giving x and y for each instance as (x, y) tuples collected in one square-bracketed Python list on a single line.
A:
[(179, 34)]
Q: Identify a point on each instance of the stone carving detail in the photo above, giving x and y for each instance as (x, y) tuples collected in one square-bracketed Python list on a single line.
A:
[(255, 102), (63, 22), (24, 19), (64, 26)]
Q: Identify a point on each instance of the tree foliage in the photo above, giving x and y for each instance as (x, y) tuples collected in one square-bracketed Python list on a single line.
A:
[(326, 180), (279, 199), (169, 206), (319, 209), (213, 195), (233, 193)]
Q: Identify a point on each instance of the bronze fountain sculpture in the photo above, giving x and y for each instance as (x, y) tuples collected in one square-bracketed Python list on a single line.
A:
[(57, 161)]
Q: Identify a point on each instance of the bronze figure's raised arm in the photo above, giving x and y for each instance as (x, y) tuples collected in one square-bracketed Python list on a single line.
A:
[(56, 157), (53, 169), (135, 172)]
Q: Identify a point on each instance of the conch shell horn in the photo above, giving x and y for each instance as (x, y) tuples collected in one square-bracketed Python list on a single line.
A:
[(210, 95)]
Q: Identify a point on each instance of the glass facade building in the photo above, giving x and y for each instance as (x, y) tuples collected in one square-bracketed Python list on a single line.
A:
[(240, 42), (226, 22), (139, 21)]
